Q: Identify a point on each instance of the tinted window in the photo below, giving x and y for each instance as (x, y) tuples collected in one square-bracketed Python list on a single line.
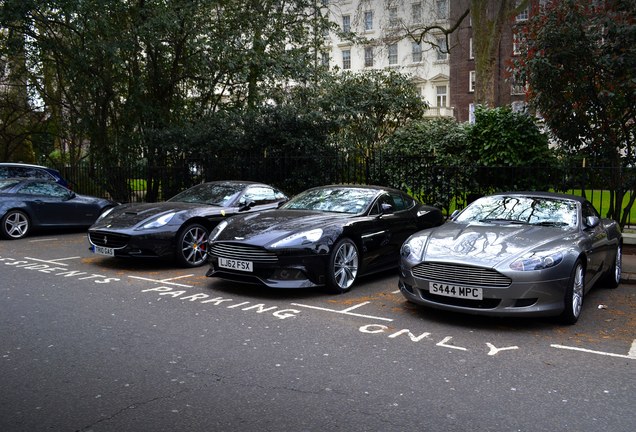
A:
[(7, 184), (44, 188), (402, 202), (260, 195)]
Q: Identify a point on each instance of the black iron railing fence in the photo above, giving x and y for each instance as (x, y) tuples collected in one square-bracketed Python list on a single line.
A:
[(447, 187)]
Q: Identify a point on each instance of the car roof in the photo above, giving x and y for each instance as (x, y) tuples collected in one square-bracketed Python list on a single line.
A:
[(20, 164), (358, 186)]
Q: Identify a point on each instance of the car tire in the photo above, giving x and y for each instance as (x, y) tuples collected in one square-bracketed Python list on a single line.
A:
[(573, 301), (342, 268), (15, 225), (192, 245), (613, 276)]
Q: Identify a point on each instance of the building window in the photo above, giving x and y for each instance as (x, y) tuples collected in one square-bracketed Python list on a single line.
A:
[(368, 57), (471, 113), (346, 23), (393, 54), (346, 59), (523, 15), (471, 53), (518, 106), (471, 81), (517, 88), (517, 43), (416, 50), (442, 49), (368, 20), (416, 12), (442, 9), (324, 58), (442, 96), (393, 17)]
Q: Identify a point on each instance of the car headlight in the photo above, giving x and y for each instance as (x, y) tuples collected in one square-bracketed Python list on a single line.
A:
[(158, 221), (300, 238), (104, 214), (413, 248), (217, 230), (537, 260)]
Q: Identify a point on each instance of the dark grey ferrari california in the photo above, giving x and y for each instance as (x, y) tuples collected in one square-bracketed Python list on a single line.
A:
[(325, 236), (520, 253), (178, 228)]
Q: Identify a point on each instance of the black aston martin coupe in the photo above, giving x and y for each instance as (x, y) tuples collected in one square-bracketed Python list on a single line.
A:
[(325, 236), (178, 228)]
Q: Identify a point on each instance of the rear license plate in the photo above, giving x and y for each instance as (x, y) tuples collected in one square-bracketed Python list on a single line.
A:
[(455, 291), (233, 264), (104, 251)]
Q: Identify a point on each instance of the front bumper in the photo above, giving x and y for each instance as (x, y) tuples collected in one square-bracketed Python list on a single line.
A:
[(155, 244), (526, 297), (301, 270)]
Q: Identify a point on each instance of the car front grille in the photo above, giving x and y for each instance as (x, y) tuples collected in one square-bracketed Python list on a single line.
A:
[(461, 275), (242, 252), (107, 239)]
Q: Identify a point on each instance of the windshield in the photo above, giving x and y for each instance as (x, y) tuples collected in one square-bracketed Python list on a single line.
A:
[(333, 199), (521, 209), (217, 194)]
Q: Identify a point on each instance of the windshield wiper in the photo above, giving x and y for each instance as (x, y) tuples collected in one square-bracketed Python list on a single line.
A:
[(503, 220), (550, 224)]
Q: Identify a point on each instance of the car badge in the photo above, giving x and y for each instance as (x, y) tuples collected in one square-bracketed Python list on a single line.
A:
[(105, 240)]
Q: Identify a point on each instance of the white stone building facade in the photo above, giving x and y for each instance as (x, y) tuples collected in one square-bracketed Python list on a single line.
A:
[(379, 34)]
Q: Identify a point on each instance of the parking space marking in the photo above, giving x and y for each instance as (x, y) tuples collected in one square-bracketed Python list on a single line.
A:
[(53, 261), (345, 311), (165, 281), (630, 355)]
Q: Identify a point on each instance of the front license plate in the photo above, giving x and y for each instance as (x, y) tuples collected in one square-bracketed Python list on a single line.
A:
[(455, 291), (233, 264), (104, 251)]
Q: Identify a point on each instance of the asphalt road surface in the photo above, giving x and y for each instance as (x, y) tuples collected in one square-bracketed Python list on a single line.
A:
[(91, 343)]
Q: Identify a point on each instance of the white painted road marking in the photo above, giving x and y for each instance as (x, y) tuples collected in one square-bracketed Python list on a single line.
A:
[(630, 355), (345, 311), (164, 281), (54, 261)]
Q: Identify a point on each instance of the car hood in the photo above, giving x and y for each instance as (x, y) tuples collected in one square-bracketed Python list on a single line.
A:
[(262, 228), (488, 245), (129, 215)]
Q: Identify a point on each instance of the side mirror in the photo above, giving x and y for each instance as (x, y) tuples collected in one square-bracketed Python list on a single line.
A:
[(70, 195), (246, 205), (592, 221), (386, 208)]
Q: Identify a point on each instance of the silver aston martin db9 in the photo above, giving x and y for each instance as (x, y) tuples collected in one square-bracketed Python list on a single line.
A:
[(518, 253)]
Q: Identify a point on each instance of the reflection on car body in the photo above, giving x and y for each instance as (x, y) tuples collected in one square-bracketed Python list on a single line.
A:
[(325, 236), (524, 253)]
